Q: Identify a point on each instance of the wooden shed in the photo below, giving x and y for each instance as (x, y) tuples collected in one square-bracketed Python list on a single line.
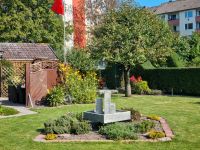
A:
[(22, 55)]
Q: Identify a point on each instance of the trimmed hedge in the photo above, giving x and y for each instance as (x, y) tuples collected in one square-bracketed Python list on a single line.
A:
[(184, 81)]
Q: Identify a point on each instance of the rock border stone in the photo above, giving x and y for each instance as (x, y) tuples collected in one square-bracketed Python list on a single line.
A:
[(167, 130)]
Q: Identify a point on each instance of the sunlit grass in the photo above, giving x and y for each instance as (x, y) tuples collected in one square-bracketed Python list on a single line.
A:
[(182, 114)]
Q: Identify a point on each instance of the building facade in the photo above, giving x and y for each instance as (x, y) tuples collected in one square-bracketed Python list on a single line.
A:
[(82, 15), (182, 15)]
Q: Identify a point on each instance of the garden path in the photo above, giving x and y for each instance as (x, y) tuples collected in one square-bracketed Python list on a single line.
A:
[(21, 108)]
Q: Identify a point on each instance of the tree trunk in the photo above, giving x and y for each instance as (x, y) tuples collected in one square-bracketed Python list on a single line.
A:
[(127, 81)]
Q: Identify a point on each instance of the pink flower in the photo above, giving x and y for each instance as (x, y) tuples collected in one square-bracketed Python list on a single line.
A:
[(133, 79), (139, 79)]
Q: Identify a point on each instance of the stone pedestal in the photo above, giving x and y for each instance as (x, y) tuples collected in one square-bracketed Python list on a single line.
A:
[(107, 102), (99, 106), (109, 114)]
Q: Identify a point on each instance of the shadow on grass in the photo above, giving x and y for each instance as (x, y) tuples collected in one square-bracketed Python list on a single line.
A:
[(197, 103), (40, 131)]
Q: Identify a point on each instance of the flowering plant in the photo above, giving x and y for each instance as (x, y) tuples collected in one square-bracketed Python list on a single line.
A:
[(139, 86), (80, 86), (134, 79)]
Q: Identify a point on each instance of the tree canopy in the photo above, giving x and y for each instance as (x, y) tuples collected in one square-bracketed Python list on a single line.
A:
[(130, 36), (30, 21)]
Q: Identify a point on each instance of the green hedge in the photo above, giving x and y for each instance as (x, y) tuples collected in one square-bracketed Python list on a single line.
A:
[(184, 81)]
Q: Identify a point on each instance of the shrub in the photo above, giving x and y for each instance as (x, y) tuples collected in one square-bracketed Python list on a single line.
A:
[(155, 134), (153, 117), (5, 111), (81, 128), (175, 61), (135, 115), (144, 126), (81, 60), (119, 131), (81, 87), (140, 87), (56, 96), (70, 123), (50, 137)]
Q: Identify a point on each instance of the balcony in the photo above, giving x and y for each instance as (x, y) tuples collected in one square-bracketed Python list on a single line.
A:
[(174, 22), (197, 18)]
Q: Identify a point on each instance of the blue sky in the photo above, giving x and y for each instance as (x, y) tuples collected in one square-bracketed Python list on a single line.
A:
[(150, 3)]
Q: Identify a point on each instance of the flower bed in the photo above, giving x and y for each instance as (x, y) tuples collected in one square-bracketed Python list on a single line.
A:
[(65, 130)]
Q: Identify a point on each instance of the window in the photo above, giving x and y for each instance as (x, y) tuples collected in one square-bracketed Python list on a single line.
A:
[(172, 17), (175, 28), (162, 17), (198, 25), (188, 14), (198, 13), (188, 26)]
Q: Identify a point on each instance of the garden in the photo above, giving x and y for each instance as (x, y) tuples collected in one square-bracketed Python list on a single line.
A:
[(181, 113), (80, 112)]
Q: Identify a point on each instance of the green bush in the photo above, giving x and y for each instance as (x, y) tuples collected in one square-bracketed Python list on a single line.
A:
[(70, 123), (82, 87), (5, 111), (119, 131), (81, 60), (135, 115), (144, 126), (140, 87), (184, 81), (175, 61), (81, 127), (155, 134), (56, 96), (196, 62)]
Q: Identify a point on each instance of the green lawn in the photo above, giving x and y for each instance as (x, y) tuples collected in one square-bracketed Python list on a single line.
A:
[(182, 114)]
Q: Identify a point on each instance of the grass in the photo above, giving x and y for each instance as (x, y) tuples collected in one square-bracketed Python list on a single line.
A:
[(182, 114), (5, 111)]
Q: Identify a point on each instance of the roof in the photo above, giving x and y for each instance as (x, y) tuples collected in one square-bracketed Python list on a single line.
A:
[(175, 6), (27, 51)]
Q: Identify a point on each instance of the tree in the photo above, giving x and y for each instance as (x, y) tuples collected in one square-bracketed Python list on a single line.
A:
[(31, 21), (195, 48), (81, 59), (182, 47), (130, 36)]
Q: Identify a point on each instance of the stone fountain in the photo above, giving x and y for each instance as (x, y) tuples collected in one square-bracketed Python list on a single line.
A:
[(106, 112)]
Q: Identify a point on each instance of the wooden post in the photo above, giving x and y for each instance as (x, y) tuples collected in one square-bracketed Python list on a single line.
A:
[(27, 84)]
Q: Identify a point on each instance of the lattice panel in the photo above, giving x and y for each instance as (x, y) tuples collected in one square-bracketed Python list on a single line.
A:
[(43, 65), (13, 76)]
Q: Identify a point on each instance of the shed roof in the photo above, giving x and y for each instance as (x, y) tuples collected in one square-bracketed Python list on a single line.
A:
[(175, 6), (27, 51)]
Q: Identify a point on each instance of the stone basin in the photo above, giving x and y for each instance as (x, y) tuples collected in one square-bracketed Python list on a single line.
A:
[(119, 115)]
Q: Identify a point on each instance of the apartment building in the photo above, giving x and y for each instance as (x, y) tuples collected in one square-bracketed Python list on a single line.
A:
[(182, 15), (82, 15)]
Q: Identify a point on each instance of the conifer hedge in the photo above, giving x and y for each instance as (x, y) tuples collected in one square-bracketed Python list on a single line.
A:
[(183, 81)]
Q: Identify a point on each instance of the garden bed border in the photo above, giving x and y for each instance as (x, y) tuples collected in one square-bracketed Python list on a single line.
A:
[(167, 130)]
